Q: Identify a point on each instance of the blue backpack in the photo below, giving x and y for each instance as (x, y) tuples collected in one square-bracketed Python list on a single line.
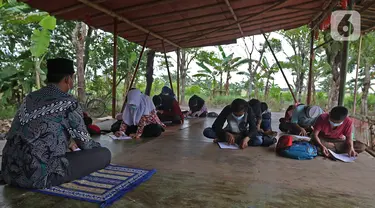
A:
[(299, 150)]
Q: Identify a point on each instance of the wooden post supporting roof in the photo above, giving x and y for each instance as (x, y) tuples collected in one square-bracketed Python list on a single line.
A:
[(309, 84), (178, 74), (281, 69), (114, 68), (344, 62), (166, 62), (356, 75)]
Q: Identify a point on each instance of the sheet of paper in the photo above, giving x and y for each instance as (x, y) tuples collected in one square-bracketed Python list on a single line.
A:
[(342, 157), (78, 149), (120, 138), (225, 145), (302, 137)]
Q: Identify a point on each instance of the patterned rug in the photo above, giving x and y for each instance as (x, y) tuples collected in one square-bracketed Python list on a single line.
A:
[(103, 186)]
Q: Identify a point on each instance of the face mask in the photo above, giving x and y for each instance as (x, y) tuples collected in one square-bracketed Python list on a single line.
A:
[(238, 117), (335, 124)]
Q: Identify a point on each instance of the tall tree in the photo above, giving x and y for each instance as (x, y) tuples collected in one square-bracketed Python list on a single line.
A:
[(299, 61), (150, 71), (187, 56), (79, 37)]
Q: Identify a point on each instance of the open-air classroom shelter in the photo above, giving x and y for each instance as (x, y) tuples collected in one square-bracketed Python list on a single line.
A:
[(192, 172)]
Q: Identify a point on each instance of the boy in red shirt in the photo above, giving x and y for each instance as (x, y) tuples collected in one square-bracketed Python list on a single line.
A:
[(334, 131)]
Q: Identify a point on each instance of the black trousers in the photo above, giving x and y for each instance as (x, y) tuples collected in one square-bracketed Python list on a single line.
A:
[(82, 163), (151, 130)]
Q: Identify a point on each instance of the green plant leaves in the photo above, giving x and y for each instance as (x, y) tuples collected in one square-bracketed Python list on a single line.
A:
[(39, 42), (48, 22)]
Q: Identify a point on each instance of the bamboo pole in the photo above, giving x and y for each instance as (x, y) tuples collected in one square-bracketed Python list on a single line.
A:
[(178, 74), (166, 62), (309, 86), (356, 76), (136, 69), (114, 68), (281, 69)]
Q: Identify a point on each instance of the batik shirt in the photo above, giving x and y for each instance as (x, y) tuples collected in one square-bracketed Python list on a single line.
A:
[(38, 139)]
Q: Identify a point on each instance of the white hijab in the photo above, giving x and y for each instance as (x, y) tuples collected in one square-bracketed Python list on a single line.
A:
[(144, 106)]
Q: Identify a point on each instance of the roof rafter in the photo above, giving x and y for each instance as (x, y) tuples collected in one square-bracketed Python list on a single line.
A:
[(121, 18)]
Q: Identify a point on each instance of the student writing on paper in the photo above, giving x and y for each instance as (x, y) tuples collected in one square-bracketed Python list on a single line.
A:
[(197, 107), (334, 131), (303, 119), (35, 154), (139, 117), (168, 109), (241, 125)]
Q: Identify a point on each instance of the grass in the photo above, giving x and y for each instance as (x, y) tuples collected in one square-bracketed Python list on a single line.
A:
[(7, 112)]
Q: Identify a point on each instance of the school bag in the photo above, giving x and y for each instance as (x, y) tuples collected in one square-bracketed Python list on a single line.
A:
[(299, 150)]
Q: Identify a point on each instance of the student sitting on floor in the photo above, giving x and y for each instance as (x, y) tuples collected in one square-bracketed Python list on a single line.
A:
[(334, 131), (197, 107), (168, 91), (285, 122), (303, 119), (168, 109), (35, 154), (241, 125), (255, 106), (266, 119), (139, 117)]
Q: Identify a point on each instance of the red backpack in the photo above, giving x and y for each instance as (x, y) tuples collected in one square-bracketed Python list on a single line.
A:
[(284, 142)]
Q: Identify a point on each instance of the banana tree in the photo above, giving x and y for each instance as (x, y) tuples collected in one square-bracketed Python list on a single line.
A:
[(210, 76), (269, 70)]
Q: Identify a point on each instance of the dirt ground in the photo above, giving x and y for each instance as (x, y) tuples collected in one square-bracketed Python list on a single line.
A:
[(194, 172)]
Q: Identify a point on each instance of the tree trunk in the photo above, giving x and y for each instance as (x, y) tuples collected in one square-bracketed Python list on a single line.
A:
[(37, 73), (334, 91), (313, 92), (365, 90), (227, 83), (251, 80), (149, 71), (267, 87), (300, 85), (183, 74), (79, 35), (221, 83), (88, 42)]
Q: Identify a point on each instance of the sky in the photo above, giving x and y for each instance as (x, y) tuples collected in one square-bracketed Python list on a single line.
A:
[(239, 51)]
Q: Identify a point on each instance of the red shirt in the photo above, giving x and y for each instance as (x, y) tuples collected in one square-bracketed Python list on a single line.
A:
[(176, 110), (326, 130)]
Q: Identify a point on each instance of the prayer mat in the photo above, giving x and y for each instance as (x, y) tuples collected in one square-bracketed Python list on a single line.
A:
[(103, 186)]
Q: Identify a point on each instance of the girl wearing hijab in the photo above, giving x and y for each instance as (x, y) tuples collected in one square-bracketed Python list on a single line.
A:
[(168, 109), (167, 91), (139, 117), (197, 107)]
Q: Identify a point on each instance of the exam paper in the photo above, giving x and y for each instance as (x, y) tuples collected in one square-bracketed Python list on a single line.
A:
[(120, 138), (342, 157), (225, 145)]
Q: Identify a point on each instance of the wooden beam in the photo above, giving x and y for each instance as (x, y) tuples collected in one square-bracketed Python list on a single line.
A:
[(166, 62), (114, 82), (324, 14), (367, 6), (234, 17), (178, 73), (119, 17), (368, 30), (212, 15), (222, 38), (180, 12), (356, 76), (257, 23), (310, 78), (138, 63), (318, 9), (73, 8), (274, 5), (136, 7)]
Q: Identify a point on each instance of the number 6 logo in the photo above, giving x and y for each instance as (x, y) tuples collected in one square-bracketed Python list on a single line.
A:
[(345, 25)]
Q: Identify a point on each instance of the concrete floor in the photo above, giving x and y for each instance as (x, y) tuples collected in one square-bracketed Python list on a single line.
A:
[(194, 172)]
